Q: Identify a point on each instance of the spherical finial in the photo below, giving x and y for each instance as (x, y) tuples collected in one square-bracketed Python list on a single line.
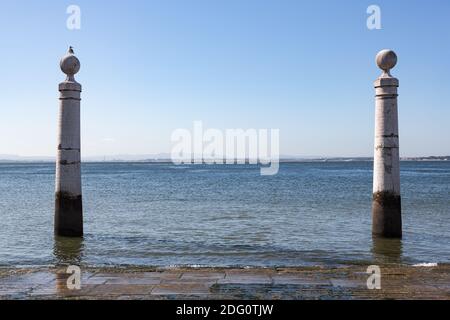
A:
[(70, 64), (386, 60)]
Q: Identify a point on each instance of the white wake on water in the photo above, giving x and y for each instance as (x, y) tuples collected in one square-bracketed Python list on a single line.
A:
[(426, 264)]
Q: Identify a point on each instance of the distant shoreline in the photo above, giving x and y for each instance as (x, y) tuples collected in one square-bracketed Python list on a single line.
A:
[(287, 160)]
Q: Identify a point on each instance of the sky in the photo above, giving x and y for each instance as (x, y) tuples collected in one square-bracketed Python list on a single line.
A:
[(150, 67)]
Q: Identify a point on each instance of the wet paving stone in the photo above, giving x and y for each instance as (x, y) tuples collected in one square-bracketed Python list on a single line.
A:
[(398, 282), (344, 283), (286, 279), (120, 289), (245, 278), (202, 276), (182, 289)]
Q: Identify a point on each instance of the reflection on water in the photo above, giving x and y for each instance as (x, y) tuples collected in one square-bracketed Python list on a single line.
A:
[(68, 251), (387, 250)]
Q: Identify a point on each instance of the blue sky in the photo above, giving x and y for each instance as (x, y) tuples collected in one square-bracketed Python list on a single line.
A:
[(150, 67)]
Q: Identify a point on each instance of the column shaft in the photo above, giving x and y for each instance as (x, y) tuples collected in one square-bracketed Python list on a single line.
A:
[(68, 197), (386, 206)]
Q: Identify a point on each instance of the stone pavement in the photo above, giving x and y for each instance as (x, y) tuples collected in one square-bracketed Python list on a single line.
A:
[(397, 282)]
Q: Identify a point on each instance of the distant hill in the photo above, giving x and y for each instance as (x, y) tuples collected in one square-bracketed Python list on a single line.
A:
[(165, 157), (16, 158), (430, 158)]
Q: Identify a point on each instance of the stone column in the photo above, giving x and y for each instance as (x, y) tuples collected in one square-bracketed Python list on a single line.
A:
[(68, 201), (386, 205)]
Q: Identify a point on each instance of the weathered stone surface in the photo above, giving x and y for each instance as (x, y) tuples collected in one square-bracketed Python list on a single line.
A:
[(182, 289), (237, 277), (298, 279), (386, 205), (344, 283), (68, 199), (120, 289), (68, 215), (397, 282), (386, 215), (386, 60), (203, 276)]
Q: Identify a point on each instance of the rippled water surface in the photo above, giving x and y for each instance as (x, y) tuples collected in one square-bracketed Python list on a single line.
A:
[(162, 215)]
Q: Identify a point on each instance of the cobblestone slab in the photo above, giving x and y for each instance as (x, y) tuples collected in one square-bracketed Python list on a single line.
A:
[(398, 282)]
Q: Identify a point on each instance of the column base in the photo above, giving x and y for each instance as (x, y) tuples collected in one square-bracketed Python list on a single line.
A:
[(68, 215), (386, 215)]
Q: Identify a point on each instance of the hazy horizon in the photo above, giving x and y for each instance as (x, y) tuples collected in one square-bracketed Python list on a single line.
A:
[(167, 156)]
